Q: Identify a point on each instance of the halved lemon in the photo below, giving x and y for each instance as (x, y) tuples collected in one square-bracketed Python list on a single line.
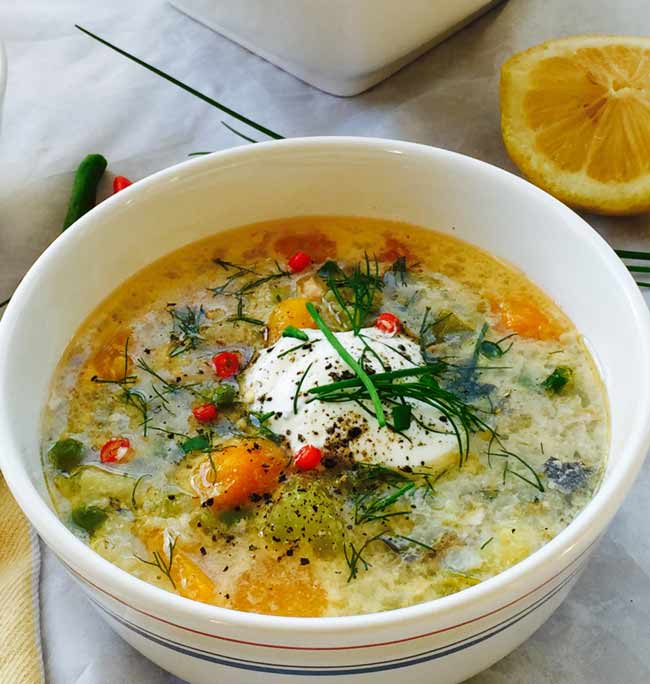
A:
[(575, 118)]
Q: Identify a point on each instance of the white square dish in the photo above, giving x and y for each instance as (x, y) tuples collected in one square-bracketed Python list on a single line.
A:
[(340, 46)]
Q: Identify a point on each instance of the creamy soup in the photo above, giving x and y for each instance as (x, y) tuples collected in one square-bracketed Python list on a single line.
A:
[(323, 416)]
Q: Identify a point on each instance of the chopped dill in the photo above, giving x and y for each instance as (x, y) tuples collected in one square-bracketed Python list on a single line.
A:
[(507, 469), (355, 292), (186, 329), (485, 543), (240, 316), (369, 507), (354, 556), (134, 503), (258, 420), (237, 272), (159, 561), (126, 379), (494, 350)]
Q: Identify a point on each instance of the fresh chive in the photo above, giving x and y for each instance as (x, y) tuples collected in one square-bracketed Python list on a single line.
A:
[(297, 333), (632, 254), (298, 346), (298, 387), (343, 353), (239, 133), (180, 84), (199, 443), (401, 417)]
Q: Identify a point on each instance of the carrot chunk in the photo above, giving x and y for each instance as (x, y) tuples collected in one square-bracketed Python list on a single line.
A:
[(280, 588), (523, 316), (242, 470)]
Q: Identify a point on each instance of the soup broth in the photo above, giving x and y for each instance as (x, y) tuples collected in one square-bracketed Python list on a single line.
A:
[(323, 416)]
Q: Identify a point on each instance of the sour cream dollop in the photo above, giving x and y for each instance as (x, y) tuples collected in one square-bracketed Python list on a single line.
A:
[(344, 429)]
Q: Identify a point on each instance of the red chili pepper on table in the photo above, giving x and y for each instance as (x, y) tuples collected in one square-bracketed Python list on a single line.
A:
[(307, 458), (120, 182), (115, 450), (226, 364), (388, 323), (299, 262), (205, 413)]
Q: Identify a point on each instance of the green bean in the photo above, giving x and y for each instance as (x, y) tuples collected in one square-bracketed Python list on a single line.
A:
[(84, 188)]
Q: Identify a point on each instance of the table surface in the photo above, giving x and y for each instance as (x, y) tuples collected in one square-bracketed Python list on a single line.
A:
[(68, 96)]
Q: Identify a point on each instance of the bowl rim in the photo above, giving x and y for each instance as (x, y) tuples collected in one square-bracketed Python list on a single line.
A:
[(99, 572)]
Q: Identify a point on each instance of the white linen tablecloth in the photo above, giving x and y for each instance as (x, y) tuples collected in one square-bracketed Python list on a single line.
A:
[(68, 96)]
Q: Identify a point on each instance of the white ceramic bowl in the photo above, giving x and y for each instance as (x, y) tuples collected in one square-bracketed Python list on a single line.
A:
[(340, 46), (446, 640)]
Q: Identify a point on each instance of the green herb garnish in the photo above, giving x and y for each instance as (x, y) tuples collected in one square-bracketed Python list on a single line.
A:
[(180, 84), (159, 561), (296, 396), (304, 345), (344, 354), (258, 420), (186, 329), (355, 292), (423, 387), (401, 417), (198, 443), (508, 470), (134, 503), (241, 317), (485, 543), (493, 350), (297, 333), (369, 507)]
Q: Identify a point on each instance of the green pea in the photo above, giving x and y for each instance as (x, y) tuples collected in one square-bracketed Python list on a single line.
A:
[(66, 454), (89, 518), (558, 379), (224, 395)]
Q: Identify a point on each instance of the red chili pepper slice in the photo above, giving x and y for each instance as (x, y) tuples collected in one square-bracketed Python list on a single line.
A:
[(299, 262), (388, 323), (120, 182), (308, 457), (115, 450), (226, 364), (205, 413)]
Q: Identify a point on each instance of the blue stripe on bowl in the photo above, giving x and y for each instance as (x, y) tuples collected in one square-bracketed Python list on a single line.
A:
[(366, 668)]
